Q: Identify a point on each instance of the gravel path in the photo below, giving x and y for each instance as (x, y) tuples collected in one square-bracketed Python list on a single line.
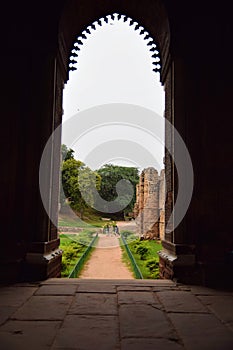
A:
[(106, 261)]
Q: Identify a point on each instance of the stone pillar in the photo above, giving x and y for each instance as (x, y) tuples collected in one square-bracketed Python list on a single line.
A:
[(136, 205), (43, 256), (177, 257), (151, 204), (31, 246), (141, 203), (162, 192)]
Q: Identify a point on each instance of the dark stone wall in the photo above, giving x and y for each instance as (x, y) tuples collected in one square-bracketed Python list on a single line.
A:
[(197, 73), (29, 44)]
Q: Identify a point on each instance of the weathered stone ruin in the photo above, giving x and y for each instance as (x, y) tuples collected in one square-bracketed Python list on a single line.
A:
[(149, 206)]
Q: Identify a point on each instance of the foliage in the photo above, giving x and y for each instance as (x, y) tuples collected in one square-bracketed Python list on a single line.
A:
[(129, 236), (73, 246), (153, 266), (145, 254), (110, 175), (125, 257), (142, 250), (85, 237), (72, 220), (78, 182), (66, 153)]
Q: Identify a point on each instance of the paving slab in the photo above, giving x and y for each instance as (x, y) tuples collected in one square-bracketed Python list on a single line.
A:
[(6, 312), (150, 344), (88, 333), (43, 308), (183, 287), (65, 314), (134, 288), (117, 282), (164, 288), (199, 290), (138, 297), (221, 306), (202, 331), (144, 321), (15, 295), (24, 335), (94, 304), (60, 281), (96, 287), (57, 289), (180, 301)]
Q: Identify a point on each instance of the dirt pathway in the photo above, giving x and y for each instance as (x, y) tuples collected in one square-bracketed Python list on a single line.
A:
[(106, 261)]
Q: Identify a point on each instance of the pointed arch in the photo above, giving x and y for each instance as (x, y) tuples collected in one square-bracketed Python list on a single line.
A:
[(80, 18), (140, 30)]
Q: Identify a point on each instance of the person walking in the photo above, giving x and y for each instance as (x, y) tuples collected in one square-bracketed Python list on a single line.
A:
[(117, 231)]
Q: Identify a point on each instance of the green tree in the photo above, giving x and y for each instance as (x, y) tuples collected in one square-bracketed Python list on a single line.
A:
[(110, 176), (78, 184), (66, 153)]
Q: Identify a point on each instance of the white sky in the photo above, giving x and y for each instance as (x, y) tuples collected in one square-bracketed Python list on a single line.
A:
[(114, 66)]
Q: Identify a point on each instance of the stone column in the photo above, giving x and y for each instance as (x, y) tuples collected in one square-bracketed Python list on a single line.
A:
[(177, 257), (43, 256), (162, 191), (151, 204)]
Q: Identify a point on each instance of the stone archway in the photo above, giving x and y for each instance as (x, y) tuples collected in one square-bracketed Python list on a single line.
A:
[(152, 16), (185, 253), (196, 62)]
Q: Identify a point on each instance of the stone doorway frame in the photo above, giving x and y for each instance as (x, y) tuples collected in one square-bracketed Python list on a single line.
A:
[(177, 257)]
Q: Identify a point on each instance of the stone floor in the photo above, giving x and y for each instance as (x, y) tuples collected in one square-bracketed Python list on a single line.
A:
[(86, 314)]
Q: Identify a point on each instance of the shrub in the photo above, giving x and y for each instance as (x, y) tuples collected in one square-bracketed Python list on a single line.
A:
[(142, 250), (153, 266), (127, 234), (136, 244), (65, 267), (70, 253)]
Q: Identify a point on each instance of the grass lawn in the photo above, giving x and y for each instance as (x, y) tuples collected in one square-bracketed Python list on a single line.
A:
[(145, 255), (73, 246), (74, 221), (125, 257)]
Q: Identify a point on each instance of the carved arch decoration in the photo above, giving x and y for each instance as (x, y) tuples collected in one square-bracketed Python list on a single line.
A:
[(150, 17), (140, 30)]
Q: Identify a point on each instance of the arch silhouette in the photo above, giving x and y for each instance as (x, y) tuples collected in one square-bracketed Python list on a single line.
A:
[(140, 30), (80, 17)]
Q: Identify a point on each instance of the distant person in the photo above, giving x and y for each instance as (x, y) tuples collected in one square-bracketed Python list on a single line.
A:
[(116, 230), (106, 229)]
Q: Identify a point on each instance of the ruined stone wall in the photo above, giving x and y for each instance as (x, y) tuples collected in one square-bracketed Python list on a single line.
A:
[(162, 192), (149, 206)]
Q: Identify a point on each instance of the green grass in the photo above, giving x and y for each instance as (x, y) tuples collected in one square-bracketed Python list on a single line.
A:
[(68, 222), (74, 221), (73, 246), (87, 258), (125, 257), (145, 255)]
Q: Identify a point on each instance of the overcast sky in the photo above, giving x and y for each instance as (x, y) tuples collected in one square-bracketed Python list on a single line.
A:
[(114, 66)]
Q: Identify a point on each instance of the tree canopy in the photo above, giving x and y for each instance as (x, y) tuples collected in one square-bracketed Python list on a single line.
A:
[(75, 174), (79, 184), (110, 176)]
